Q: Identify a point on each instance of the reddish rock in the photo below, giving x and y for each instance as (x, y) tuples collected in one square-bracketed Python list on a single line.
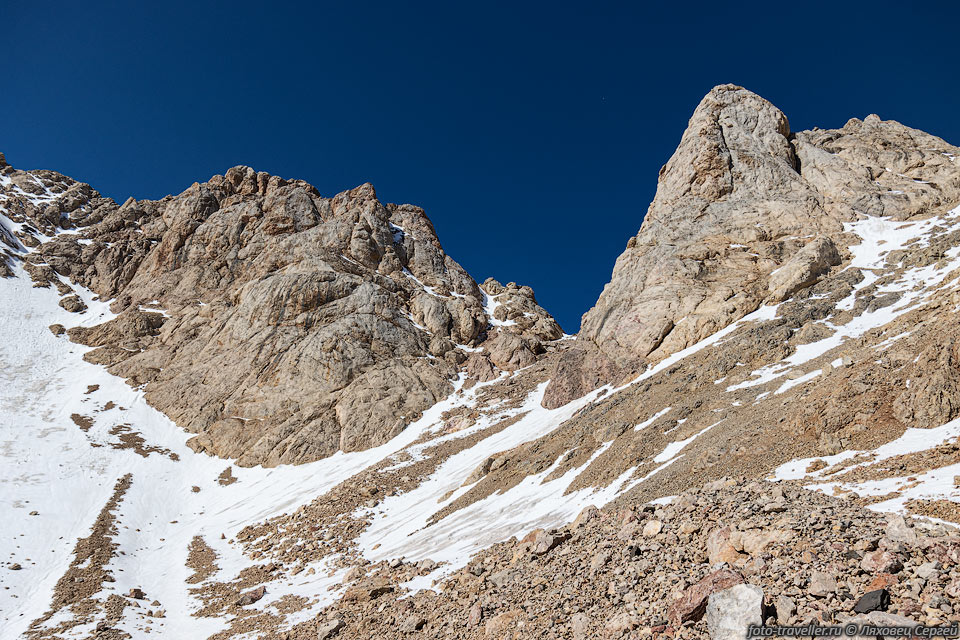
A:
[(881, 561), (692, 604), (945, 552), (883, 581)]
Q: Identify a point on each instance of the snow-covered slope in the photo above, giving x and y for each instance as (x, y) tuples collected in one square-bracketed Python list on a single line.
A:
[(66, 474), (63, 469)]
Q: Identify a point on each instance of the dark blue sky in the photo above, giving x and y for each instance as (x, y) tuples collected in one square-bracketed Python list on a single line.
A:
[(531, 133)]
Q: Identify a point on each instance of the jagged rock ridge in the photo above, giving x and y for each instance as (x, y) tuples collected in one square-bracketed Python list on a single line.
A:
[(280, 325)]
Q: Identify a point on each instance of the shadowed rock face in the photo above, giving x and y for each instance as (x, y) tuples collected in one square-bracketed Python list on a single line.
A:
[(293, 325), (745, 212)]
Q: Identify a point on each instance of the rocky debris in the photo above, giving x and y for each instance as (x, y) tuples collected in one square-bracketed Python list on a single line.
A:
[(14, 566), (880, 619), (136, 593), (328, 526), (747, 213), (814, 560), (730, 224), (202, 559), (730, 612), (77, 592), (127, 438), (736, 418), (226, 477), (666, 583)]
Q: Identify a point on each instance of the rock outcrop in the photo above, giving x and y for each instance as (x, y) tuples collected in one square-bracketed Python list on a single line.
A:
[(279, 325), (746, 213), (519, 330)]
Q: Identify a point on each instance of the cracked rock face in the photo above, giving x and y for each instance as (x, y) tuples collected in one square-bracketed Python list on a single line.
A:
[(745, 213), (278, 325)]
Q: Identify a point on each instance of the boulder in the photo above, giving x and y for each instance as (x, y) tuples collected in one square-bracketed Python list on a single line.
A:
[(250, 597), (803, 269), (881, 561), (877, 600), (692, 603), (329, 628), (720, 548), (498, 626), (651, 528), (731, 611), (899, 530), (822, 584)]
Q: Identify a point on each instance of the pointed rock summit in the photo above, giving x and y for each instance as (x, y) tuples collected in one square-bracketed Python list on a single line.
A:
[(745, 212)]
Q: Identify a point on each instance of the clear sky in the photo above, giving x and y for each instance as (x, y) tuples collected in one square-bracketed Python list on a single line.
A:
[(531, 133)]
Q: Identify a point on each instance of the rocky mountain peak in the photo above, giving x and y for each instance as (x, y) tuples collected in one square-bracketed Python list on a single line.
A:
[(745, 213), (279, 325), (735, 141)]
